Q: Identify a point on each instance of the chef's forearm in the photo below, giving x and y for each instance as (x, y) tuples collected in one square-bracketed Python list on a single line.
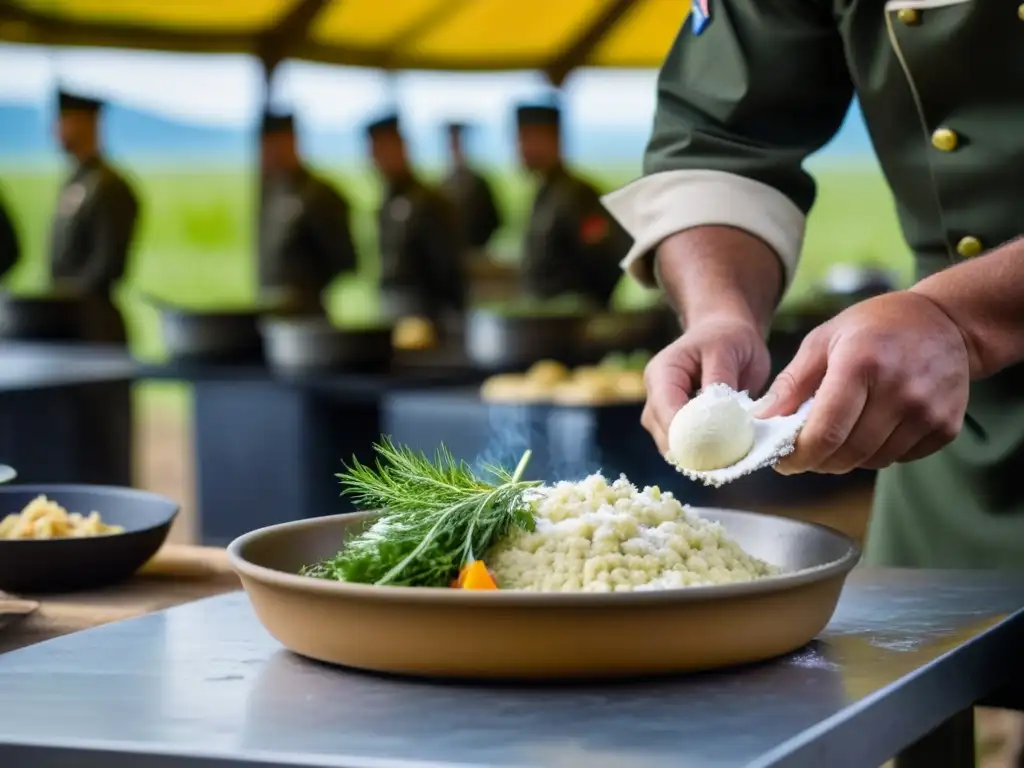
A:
[(985, 298), (711, 271)]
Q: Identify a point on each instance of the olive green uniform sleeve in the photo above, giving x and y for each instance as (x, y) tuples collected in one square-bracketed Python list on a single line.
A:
[(330, 229), (739, 108), (595, 241), (9, 252), (487, 219), (473, 198), (115, 210), (439, 243), (573, 245)]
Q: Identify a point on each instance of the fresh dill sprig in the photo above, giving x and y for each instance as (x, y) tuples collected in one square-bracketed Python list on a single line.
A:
[(436, 516)]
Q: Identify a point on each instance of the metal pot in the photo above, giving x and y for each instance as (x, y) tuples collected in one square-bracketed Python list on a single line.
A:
[(649, 329), (491, 280), (215, 336), (853, 283), (41, 318), (298, 345), (499, 341)]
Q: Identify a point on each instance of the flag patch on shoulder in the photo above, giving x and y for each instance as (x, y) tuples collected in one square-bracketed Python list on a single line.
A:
[(700, 15)]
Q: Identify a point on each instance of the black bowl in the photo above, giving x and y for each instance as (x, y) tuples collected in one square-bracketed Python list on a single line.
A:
[(68, 565)]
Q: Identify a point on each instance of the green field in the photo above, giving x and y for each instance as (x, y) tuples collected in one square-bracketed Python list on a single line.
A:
[(196, 237)]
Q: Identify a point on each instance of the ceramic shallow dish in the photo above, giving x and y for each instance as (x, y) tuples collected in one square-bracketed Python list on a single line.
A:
[(70, 565), (495, 635)]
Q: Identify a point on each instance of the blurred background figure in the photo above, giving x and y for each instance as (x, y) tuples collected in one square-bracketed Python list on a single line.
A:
[(93, 230), (94, 223), (571, 244), (418, 235), (471, 193), (305, 237), (9, 247)]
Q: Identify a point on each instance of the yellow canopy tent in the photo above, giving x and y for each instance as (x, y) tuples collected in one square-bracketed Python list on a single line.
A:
[(554, 36)]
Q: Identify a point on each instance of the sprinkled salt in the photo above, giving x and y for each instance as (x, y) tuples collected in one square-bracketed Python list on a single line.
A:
[(772, 439), (713, 430)]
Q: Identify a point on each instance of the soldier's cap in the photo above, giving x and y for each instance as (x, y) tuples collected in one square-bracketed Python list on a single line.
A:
[(277, 122), (384, 125), (538, 114), (74, 102)]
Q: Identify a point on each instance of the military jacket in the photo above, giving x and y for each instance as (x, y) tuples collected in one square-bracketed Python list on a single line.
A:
[(305, 236), (93, 228), (421, 250), (572, 245), (9, 248), (753, 87), (474, 203)]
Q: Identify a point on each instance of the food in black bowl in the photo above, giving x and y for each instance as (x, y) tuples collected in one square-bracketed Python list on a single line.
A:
[(67, 538)]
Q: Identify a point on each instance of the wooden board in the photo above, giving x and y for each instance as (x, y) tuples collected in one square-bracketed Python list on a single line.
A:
[(177, 575)]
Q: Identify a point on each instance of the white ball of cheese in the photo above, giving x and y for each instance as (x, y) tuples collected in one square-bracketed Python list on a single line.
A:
[(712, 431)]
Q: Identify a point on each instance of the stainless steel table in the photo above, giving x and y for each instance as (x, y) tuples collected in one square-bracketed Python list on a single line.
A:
[(26, 366), (203, 686)]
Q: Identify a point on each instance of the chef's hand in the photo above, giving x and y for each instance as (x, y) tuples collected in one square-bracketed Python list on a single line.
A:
[(715, 350), (890, 378)]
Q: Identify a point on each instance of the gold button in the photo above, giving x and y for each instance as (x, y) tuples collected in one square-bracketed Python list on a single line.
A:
[(969, 246), (909, 16), (945, 139), (1020, 11)]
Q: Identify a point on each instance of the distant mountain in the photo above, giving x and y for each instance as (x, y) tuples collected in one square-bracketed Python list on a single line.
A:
[(23, 132), (26, 133), (134, 133), (137, 135)]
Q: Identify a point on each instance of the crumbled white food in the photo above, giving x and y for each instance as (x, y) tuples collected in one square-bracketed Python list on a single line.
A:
[(712, 431), (596, 536)]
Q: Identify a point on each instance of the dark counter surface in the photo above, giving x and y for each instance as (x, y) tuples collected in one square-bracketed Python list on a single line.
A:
[(204, 686)]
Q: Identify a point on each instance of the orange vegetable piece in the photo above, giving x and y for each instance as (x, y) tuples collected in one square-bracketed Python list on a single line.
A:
[(476, 576)]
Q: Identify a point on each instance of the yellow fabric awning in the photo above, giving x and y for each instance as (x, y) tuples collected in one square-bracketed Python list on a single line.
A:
[(551, 35)]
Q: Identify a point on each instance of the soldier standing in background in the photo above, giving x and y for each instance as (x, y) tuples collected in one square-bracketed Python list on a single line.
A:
[(572, 245), (472, 195), (92, 234), (94, 224), (9, 250), (305, 238), (420, 243)]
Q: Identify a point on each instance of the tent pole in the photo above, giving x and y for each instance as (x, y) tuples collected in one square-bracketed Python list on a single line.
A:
[(588, 39), (391, 87)]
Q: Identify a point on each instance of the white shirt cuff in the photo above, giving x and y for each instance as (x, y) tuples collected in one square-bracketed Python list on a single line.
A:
[(662, 204)]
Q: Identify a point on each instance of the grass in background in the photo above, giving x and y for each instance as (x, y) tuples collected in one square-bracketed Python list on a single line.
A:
[(196, 239)]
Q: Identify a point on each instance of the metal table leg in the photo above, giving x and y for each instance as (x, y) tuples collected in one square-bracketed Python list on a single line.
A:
[(104, 439), (950, 745)]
